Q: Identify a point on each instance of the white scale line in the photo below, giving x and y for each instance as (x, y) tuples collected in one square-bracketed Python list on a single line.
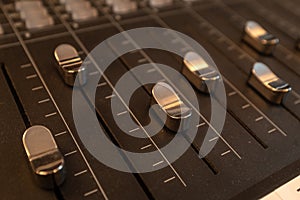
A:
[(134, 130), (31, 76), (25, 66), (71, 153), (101, 84), (199, 125), (169, 179), (142, 60), (93, 73), (122, 113), (90, 193), (44, 101), (151, 70), (61, 133), (79, 173), (242, 56), (146, 147), (245, 106), (259, 118), (272, 130), (50, 95), (158, 163), (231, 94), (297, 102), (110, 96), (213, 139), (37, 88), (226, 152), (50, 114)]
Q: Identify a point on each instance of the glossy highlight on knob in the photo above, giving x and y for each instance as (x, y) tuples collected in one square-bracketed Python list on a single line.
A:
[(259, 38), (70, 65), (268, 84), (177, 113), (46, 161)]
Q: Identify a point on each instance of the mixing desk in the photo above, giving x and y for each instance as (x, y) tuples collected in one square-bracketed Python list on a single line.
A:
[(48, 57)]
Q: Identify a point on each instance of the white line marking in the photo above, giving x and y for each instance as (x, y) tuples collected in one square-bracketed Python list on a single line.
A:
[(110, 96), (134, 130), (169, 179), (44, 101), (142, 60), (31, 76), (272, 130), (122, 113), (199, 125), (146, 147), (213, 139), (37, 88), (90, 193), (155, 164), (259, 118), (230, 48), (151, 70), (50, 114), (226, 152), (245, 106), (101, 84), (242, 56), (70, 153), (231, 94), (79, 173), (93, 73), (61, 133), (25, 66), (297, 102)]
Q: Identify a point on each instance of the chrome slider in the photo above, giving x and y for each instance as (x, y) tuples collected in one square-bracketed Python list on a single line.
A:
[(268, 84), (160, 3), (34, 14), (69, 65), (199, 73), (122, 7), (259, 38), (45, 159), (176, 112)]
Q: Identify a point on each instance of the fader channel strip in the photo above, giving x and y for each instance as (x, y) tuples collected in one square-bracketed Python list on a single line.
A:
[(257, 151)]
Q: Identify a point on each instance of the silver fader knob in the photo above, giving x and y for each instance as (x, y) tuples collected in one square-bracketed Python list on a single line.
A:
[(259, 38), (69, 65), (84, 14), (160, 3), (176, 112), (38, 21), (200, 73), (268, 84), (122, 7), (25, 5), (45, 159)]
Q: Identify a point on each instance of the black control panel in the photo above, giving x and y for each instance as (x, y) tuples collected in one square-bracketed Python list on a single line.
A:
[(254, 45)]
